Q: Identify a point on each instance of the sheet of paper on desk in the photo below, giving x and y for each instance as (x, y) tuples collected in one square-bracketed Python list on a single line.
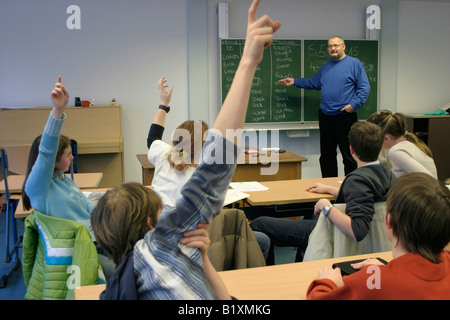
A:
[(249, 186), (234, 196), (94, 196)]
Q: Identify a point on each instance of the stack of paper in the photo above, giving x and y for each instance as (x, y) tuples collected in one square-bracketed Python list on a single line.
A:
[(248, 186), (234, 196)]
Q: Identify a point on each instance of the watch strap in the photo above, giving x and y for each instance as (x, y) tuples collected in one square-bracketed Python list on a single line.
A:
[(326, 209), (166, 109)]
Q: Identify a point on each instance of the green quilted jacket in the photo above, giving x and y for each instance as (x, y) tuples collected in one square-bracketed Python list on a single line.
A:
[(58, 255)]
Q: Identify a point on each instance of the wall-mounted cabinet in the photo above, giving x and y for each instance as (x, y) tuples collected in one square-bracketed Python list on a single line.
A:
[(97, 130)]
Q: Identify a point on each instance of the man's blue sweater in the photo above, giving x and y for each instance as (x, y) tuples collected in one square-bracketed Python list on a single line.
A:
[(342, 82)]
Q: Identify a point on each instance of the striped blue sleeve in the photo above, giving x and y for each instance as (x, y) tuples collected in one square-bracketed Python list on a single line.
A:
[(203, 195)]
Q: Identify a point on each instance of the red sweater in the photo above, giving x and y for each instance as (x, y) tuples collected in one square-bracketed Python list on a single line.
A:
[(409, 276)]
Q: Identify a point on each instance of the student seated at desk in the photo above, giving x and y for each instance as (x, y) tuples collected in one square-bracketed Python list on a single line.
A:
[(406, 152), (368, 184), (175, 164), (417, 223), (164, 267), (46, 188), (123, 216)]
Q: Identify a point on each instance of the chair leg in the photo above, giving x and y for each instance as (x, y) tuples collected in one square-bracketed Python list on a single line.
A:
[(12, 255), (8, 210), (14, 267)]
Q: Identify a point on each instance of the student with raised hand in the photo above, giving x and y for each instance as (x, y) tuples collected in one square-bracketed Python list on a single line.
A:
[(46, 188), (406, 152), (174, 164), (163, 266), (123, 216), (417, 223)]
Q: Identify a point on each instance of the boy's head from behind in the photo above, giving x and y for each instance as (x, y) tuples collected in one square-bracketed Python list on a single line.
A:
[(418, 214), (366, 140), (123, 216)]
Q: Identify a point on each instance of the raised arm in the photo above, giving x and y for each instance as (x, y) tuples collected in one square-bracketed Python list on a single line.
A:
[(60, 98), (202, 196), (38, 180), (259, 36), (165, 97), (199, 238), (157, 127)]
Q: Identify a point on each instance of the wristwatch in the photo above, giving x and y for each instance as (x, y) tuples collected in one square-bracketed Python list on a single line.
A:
[(166, 109), (326, 210)]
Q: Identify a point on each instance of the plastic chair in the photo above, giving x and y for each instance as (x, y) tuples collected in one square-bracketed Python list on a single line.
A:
[(74, 164), (17, 158), (74, 145), (327, 241), (12, 254)]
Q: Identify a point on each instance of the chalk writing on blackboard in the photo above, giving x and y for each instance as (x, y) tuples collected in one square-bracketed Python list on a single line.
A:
[(269, 100)]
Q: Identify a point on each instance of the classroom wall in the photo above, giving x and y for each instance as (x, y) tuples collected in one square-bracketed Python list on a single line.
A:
[(414, 45), (121, 51), (123, 47), (423, 56)]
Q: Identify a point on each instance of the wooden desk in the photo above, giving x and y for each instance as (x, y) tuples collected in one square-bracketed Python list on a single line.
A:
[(22, 213), (248, 168), (282, 282), (20, 210), (97, 130), (279, 282), (148, 170), (291, 191), (82, 180)]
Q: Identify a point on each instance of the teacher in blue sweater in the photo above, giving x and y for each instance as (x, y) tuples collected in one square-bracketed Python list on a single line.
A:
[(345, 88)]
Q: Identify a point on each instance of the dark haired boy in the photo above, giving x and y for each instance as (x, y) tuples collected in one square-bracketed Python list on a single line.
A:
[(368, 184)]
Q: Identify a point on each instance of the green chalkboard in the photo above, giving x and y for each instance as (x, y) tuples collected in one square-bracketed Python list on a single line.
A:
[(273, 103), (316, 54), (270, 102)]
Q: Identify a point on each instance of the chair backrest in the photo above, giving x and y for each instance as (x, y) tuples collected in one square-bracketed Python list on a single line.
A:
[(74, 164), (233, 243), (17, 158), (53, 247), (327, 241), (74, 145)]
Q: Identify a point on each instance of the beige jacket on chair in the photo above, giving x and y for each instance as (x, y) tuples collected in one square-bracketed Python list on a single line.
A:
[(327, 241), (233, 243)]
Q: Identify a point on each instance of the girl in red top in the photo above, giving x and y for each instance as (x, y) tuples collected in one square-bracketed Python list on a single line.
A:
[(418, 225)]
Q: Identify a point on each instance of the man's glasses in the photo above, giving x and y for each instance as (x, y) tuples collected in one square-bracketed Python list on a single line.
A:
[(334, 46)]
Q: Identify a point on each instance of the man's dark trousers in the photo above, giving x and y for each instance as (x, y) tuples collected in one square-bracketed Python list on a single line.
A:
[(334, 132)]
